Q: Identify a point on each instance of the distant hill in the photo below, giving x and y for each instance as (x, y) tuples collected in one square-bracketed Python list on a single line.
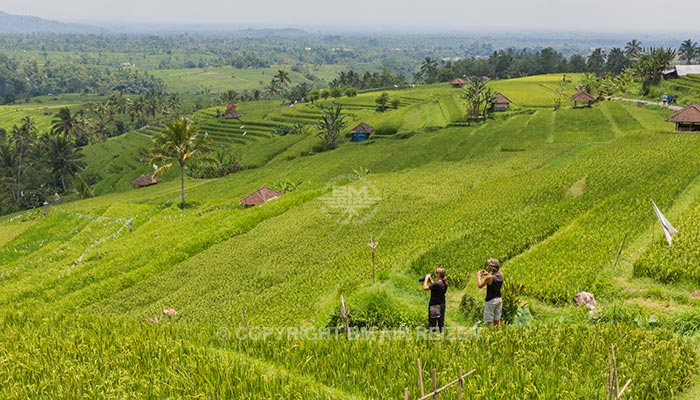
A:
[(27, 24)]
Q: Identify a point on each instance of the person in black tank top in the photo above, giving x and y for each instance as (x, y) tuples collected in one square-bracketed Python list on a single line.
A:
[(436, 306), (493, 304)]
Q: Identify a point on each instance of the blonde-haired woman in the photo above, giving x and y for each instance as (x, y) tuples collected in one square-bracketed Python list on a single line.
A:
[(493, 280)]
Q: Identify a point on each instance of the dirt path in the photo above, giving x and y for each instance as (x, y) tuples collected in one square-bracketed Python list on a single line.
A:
[(647, 102)]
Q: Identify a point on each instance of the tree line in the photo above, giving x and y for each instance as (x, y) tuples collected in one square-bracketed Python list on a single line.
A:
[(22, 81)]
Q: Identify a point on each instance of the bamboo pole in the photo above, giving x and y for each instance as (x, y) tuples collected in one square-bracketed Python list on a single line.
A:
[(619, 395), (434, 380), (446, 386), (619, 252), (405, 393), (420, 379)]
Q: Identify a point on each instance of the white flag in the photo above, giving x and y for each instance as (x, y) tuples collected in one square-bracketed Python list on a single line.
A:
[(669, 230)]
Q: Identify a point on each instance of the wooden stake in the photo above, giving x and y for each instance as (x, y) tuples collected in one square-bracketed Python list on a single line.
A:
[(434, 379), (420, 380), (405, 394), (344, 316), (460, 387), (619, 395)]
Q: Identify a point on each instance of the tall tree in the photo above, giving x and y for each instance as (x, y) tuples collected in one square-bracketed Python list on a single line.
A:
[(633, 48), (64, 159), (651, 64), (688, 51), (283, 78), (617, 61), (66, 123), (429, 70), (179, 142), (596, 61), (330, 124), (23, 138)]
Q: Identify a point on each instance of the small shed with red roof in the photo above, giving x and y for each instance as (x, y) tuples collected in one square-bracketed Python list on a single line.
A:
[(687, 119), (260, 196), (145, 180), (501, 103)]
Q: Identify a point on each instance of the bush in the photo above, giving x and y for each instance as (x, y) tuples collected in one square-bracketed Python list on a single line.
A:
[(375, 308)]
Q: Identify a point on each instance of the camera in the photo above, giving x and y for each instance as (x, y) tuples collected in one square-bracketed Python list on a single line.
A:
[(421, 280)]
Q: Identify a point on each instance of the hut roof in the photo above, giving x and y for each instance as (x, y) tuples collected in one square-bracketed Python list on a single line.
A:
[(145, 180), (688, 114), (232, 115), (501, 99), (458, 81), (582, 96), (260, 196), (362, 128)]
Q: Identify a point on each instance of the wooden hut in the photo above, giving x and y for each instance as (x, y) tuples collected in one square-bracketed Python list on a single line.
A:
[(501, 103), (260, 196), (458, 82), (231, 112), (145, 180), (582, 97), (360, 132), (687, 119)]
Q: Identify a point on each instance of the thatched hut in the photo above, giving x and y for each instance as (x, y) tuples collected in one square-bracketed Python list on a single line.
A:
[(687, 119), (458, 82), (582, 97)]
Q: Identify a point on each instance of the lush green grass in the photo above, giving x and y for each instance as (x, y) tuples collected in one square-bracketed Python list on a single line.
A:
[(219, 79), (41, 113), (550, 193), (536, 91)]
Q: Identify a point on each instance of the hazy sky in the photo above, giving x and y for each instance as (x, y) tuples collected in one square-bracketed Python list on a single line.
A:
[(582, 15)]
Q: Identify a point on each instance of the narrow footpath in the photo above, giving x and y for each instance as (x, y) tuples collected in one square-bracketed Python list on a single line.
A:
[(650, 103)]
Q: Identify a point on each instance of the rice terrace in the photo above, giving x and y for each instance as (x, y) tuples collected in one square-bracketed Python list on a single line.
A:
[(266, 213)]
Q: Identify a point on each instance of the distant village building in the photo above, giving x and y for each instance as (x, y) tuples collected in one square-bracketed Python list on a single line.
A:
[(458, 82), (360, 132), (582, 97), (260, 196), (501, 103), (682, 70), (687, 119), (231, 112), (145, 180)]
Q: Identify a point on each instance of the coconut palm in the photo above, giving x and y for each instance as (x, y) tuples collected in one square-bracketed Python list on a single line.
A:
[(688, 51), (633, 48), (179, 142), (429, 70), (63, 158), (66, 123), (283, 78)]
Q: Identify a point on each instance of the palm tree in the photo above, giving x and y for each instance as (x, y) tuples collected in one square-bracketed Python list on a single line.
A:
[(179, 142), (633, 48), (429, 70), (688, 51), (66, 123), (283, 78), (330, 124), (63, 158), (23, 138), (651, 64)]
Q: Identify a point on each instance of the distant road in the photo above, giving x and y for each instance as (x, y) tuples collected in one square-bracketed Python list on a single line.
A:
[(651, 103)]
